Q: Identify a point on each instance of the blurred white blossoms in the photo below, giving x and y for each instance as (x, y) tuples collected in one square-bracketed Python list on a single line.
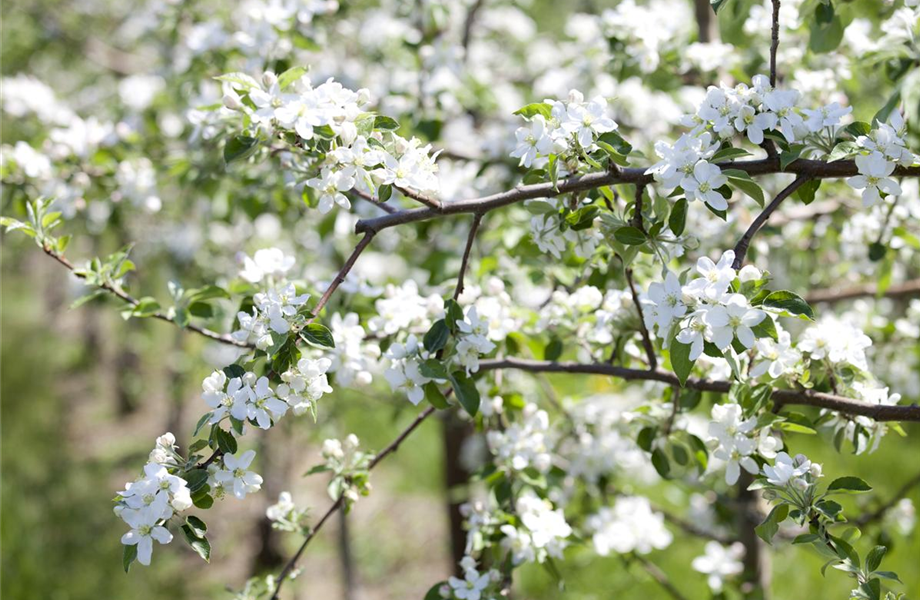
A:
[(720, 563), (735, 441), (542, 533), (267, 262), (363, 154), (523, 444), (629, 526)]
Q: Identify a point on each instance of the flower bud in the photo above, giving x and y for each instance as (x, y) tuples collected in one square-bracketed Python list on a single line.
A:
[(167, 440), (269, 79), (265, 342), (816, 470), (749, 273), (800, 483), (232, 101)]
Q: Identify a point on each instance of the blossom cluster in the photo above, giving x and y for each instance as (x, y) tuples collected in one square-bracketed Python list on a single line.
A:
[(562, 127), (706, 309), (147, 503), (630, 525), (523, 444), (881, 150), (542, 532), (364, 155), (736, 441)]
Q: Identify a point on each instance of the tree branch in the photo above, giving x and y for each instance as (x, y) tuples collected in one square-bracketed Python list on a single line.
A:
[(477, 219), (774, 44), (340, 502), (125, 297), (659, 576), (812, 169), (780, 398), (646, 338), (742, 246), (880, 511), (342, 274), (907, 289)]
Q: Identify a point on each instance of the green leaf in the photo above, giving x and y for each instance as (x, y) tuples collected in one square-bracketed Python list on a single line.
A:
[(770, 525), (646, 437), (888, 575), (843, 150), (874, 559), (680, 360), (631, 236), (848, 484), (239, 148), (806, 192), (225, 441), (199, 544), (234, 371), (728, 154), (717, 4), (789, 156), (677, 222), (766, 328), (789, 302), (437, 336), (743, 182), (128, 556), (384, 192), (195, 479), (242, 80), (553, 350), (435, 592), (535, 108), (826, 33), (661, 463), (199, 528), (434, 369), (616, 141), (146, 307), (383, 122), (318, 335), (466, 392), (435, 397), (583, 218), (202, 499), (290, 76)]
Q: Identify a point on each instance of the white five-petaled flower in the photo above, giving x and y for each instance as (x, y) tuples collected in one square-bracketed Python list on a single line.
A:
[(716, 277), (235, 474), (703, 184), (233, 401), (733, 318), (826, 116), (735, 446), (719, 563), (667, 303), (785, 468), (264, 407), (532, 141), (471, 586), (754, 123), (331, 183), (585, 120), (775, 357), (145, 528), (873, 177)]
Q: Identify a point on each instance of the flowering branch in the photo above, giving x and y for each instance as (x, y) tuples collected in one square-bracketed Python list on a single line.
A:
[(812, 169), (124, 296), (780, 398)]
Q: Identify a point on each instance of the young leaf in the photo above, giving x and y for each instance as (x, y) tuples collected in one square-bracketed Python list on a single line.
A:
[(790, 302), (848, 485), (678, 219), (318, 335), (239, 148), (128, 556), (680, 360), (437, 336), (631, 236), (535, 108), (466, 392)]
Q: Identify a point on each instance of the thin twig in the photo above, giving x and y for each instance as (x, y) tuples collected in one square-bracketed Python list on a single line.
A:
[(375, 201), (774, 45), (477, 219), (780, 398), (659, 576), (340, 502), (646, 338), (470, 21), (342, 274), (907, 289), (125, 297), (883, 509), (742, 246)]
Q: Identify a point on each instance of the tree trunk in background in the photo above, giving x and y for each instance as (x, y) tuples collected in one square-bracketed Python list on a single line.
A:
[(127, 363), (176, 379), (274, 472), (346, 558), (706, 20), (756, 585), (456, 433)]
